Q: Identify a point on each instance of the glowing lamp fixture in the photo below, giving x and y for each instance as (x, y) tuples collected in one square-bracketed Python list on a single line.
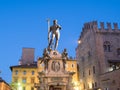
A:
[(19, 86), (90, 85), (79, 41)]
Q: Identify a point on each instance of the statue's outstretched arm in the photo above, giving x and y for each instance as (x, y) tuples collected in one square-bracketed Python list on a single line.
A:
[(59, 27)]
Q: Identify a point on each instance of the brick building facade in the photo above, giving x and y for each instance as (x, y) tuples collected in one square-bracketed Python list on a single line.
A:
[(4, 85)]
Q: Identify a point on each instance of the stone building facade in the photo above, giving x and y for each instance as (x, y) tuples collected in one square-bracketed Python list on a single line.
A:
[(98, 56), (24, 76)]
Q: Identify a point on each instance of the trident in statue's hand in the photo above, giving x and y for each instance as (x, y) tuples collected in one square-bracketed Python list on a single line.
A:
[(48, 21)]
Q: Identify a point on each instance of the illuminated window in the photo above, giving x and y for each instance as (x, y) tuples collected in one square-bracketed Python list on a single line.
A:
[(16, 72), (24, 72), (107, 46)]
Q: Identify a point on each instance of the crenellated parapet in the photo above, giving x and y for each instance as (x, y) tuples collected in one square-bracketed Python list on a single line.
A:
[(109, 26), (89, 26), (94, 26)]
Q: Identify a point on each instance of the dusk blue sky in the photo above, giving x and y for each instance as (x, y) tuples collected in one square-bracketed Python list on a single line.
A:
[(23, 24)]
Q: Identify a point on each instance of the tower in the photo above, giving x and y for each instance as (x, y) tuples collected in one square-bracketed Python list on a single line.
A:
[(27, 56), (98, 55)]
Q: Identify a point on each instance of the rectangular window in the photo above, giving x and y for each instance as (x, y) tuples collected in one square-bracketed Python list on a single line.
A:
[(118, 51), (92, 85), (89, 54), (24, 80), (33, 72), (109, 48), (95, 84), (24, 72), (16, 72), (89, 72), (72, 65), (94, 69)]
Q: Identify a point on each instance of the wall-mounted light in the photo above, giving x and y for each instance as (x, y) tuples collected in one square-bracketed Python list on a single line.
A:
[(79, 41)]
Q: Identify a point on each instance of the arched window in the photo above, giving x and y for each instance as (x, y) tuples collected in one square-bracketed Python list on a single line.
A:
[(107, 46)]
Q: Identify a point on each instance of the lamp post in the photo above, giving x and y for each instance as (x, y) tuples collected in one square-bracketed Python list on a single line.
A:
[(48, 21)]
